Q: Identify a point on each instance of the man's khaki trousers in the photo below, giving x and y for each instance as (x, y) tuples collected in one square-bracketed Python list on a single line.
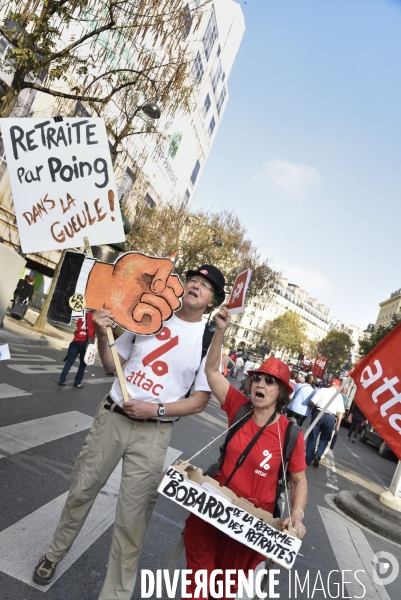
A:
[(143, 447)]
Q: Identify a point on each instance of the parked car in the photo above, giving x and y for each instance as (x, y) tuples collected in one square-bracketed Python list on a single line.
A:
[(369, 434)]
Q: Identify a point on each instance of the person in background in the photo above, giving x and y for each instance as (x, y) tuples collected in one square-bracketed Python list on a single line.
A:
[(24, 291), (329, 421), (293, 378), (357, 418), (85, 330), (303, 393)]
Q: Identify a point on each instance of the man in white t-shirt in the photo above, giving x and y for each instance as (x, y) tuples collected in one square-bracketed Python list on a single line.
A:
[(329, 421), (159, 371)]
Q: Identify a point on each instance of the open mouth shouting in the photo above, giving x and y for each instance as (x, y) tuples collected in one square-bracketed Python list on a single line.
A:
[(260, 395), (193, 293)]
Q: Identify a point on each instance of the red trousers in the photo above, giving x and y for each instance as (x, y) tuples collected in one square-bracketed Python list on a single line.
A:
[(208, 548)]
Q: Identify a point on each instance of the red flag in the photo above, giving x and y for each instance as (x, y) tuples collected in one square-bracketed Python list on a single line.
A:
[(319, 367), (378, 395), (237, 298)]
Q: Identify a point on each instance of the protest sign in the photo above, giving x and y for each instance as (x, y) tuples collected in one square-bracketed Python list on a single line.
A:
[(237, 297), (4, 352), (378, 393), (319, 367), (139, 290), (215, 508), (62, 182)]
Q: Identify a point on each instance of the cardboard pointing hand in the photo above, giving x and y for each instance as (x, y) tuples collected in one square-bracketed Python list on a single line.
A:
[(139, 290)]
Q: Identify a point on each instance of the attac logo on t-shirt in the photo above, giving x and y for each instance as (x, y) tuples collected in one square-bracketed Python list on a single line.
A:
[(159, 367)]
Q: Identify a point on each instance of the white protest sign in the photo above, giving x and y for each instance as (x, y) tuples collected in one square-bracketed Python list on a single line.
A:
[(236, 302), (4, 352), (62, 182), (237, 523)]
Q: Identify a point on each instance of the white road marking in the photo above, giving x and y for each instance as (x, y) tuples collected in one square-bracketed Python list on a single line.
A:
[(353, 553), (32, 357), (22, 436), (27, 540), (9, 391), (332, 481), (109, 380), (40, 369)]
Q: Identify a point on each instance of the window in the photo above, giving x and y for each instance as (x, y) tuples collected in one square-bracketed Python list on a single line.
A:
[(246, 333), (206, 105), (235, 330), (198, 69), (220, 101), (3, 160), (126, 183), (175, 143), (186, 22), (185, 200), (195, 172), (218, 50), (217, 75), (212, 125), (210, 35), (150, 203)]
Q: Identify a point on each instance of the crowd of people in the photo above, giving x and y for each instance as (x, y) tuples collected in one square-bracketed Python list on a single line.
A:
[(276, 401)]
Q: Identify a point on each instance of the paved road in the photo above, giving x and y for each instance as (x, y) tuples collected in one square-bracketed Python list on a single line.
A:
[(41, 431)]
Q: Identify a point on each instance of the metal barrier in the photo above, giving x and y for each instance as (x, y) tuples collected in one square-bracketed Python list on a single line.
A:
[(37, 301)]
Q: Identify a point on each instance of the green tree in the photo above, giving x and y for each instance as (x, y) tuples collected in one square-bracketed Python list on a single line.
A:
[(373, 338), (100, 52), (200, 237), (336, 347), (286, 333)]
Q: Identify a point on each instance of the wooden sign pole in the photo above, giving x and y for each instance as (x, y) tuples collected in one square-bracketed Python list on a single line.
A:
[(112, 343)]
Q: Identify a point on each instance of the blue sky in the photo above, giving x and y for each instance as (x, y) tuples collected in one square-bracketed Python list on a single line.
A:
[(308, 153)]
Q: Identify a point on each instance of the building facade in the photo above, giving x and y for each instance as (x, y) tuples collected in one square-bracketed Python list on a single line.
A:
[(389, 308), (170, 164)]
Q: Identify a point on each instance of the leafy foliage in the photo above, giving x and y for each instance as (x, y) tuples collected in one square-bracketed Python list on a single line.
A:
[(285, 333), (112, 55), (200, 237), (336, 347), (372, 339)]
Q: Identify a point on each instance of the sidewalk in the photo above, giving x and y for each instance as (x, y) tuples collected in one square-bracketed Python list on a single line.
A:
[(20, 332)]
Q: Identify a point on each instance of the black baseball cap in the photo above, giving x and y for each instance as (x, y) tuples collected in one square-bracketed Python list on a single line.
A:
[(214, 276)]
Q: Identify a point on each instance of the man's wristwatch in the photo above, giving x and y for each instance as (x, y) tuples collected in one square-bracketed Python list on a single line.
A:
[(161, 411)]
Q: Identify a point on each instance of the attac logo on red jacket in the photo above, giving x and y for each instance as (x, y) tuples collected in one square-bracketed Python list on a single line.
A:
[(319, 367), (378, 395)]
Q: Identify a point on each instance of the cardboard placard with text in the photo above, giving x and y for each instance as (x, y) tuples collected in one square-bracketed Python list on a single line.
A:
[(185, 485), (378, 395), (62, 182), (237, 297)]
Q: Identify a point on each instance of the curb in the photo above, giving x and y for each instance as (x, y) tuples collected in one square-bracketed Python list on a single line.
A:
[(42, 341), (366, 508)]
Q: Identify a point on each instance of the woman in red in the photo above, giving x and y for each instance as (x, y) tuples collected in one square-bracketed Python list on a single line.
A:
[(85, 330), (257, 478)]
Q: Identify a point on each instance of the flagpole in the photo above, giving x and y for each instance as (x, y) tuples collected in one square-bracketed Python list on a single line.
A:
[(344, 383)]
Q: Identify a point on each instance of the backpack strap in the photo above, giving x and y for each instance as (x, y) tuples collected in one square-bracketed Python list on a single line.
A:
[(208, 334), (240, 418), (291, 436)]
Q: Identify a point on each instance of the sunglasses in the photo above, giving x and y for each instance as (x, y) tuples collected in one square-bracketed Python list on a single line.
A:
[(269, 379)]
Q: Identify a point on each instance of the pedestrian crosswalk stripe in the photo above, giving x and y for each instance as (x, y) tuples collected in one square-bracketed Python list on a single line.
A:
[(22, 436), (9, 391), (27, 540), (108, 380), (40, 369), (353, 553), (31, 357)]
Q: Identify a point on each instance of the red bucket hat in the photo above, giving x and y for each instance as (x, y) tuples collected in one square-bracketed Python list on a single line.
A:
[(279, 370)]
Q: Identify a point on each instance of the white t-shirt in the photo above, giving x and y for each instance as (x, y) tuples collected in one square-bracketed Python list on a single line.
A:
[(239, 362), (161, 368), (248, 365), (323, 396)]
